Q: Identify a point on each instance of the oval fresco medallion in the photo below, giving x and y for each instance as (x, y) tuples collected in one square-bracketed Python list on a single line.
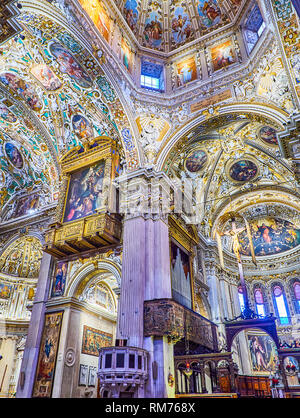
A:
[(268, 135), (196, 161), (243, 170), (46, 77), (13, 155), (82, 127)]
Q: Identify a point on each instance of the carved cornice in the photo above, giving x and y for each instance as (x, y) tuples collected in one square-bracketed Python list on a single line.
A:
[(40, 220)]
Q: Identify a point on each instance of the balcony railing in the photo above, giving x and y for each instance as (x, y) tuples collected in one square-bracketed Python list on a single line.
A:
[(167, 317)]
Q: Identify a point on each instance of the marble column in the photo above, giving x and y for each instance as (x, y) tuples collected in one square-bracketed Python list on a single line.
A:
[(32, 346), (146, 276), (146, 271), (214, 293), (202, 376), (131, 320)]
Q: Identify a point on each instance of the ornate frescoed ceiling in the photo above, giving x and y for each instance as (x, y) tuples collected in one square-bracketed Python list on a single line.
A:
[(22, 258), (237, 159), (167, 25), (53, 96), (59, 90)]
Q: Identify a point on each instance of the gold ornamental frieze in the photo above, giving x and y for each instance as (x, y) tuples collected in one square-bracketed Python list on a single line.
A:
[(73, 231)]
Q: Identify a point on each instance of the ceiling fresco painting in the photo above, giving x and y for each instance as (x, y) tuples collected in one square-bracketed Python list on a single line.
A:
[(270, 236), (153, 29), (196, 102), (54, 76), (131, 13), (167, 25), (268, 135), (228, 162), (182, 29), (99, 15), (243, 170), (46, 77), (49, 73)]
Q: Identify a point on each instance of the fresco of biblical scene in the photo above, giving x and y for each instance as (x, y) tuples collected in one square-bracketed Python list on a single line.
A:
[(69, 65), (13, 155), (131, 14), (243, 170), (24, 89), (47, 356), (263, 354), (126, 55), (268, 135), (186, 71), (26, 205), (82, 127), (153, 31), (46, 77), (5, 291), (6, 114), (270, 236), (222, 55), (59, 280), (209, 12), (98, 14), (85, 192), (181, 276), (93, 340), (196, 161), (182, 29)]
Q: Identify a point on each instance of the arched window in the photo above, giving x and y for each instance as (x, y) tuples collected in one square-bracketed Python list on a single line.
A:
[(259, 301), (280, 304), (241, 298), (296, 288)]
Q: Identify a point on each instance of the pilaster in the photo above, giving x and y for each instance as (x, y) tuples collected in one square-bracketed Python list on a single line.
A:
[(32, 346)]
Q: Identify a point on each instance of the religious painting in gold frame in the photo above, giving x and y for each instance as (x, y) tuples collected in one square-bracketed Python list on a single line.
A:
[(87, 212), (90, 176), (222, 55), (84, 195)]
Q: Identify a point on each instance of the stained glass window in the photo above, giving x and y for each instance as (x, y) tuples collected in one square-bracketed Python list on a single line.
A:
[(241, 298), (280, 304), (259, 302), (296, 287)]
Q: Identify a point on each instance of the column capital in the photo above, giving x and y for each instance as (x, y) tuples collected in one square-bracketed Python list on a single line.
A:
[(145, 193)]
